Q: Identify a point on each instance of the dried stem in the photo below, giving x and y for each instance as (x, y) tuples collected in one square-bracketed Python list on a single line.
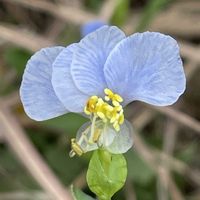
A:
[(25, 151), (67, 13), (23, 39)]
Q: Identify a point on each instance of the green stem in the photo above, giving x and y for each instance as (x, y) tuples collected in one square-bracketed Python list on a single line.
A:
[(103, 199)]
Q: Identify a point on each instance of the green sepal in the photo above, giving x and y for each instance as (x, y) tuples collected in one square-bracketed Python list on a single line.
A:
[(106, 174), (79, 195)]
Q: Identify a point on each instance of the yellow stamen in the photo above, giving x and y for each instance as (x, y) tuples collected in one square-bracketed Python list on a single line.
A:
[(108, 113), (76, 149), (96, 135), (118, 98)]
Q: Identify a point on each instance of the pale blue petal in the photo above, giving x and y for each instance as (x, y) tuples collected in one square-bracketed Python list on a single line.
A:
[(146, 67), (91, 27), (71, 97), (123, 140), (37, 94), (89, 59)]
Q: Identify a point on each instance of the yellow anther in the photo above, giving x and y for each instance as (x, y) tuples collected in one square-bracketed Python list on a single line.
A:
[(100, 101), (108, 92), (108, 107), (116, 126), (91, 105), (113, 119), (112, 113), (115, 103), (119, 108), (96, 135), (107, 98), (121, 119), (86, 111), (118, 98), (101, 115), (110, 96), (76, 149)]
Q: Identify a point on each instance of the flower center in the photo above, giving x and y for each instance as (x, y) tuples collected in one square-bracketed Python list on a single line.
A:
[(103, 113), (109, 110)]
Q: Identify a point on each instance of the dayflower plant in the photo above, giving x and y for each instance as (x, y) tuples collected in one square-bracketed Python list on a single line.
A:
[(98, 77)]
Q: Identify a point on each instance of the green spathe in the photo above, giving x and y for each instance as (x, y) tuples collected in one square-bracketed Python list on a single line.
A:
[(106, 173)]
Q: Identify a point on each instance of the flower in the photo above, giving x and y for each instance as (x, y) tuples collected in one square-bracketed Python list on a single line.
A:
[(99, 76), (91, 27)]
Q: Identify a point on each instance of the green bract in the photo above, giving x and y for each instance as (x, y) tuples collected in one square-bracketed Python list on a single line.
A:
[(106, 173)]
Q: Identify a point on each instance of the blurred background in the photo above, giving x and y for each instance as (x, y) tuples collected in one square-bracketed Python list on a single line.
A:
[(34, 163)]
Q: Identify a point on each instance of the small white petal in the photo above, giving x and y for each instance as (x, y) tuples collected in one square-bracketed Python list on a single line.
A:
[(83, 136), (123, 140), (107, 136)]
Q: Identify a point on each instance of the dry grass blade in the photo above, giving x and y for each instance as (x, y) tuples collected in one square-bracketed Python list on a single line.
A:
[(190, 51), (23, 39), (170, 133), (153, 156), (107, 10), (80, 181), (170, 136), (67, 13), (129, 191), (25, 151), (24, 195), (175, 192), (173, 15), (179, 117)]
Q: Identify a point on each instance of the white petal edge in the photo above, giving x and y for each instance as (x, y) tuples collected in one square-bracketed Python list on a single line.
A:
[(123, 140)]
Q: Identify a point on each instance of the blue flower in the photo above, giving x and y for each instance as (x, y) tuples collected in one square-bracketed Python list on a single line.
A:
[(100, 75), (91, 27)]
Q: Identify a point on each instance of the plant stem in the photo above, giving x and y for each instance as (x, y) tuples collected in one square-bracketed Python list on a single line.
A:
[(104, 198)]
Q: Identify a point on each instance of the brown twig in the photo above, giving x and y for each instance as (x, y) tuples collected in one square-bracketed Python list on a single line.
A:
[(24, 195), (69, 14), (107, 10), (129, 191), (80, 180), (170, 135), (179, 117), (153, 156), (25, 151), (23, 39)]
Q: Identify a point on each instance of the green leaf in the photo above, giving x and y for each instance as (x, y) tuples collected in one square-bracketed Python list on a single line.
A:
[(120, 12), (79, 195), (106, 174)]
